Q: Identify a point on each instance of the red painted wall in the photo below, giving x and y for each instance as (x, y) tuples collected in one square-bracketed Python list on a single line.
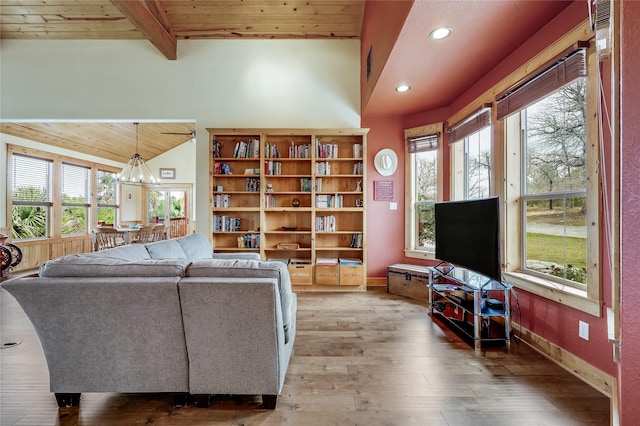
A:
[(629, 367), (554, 322)]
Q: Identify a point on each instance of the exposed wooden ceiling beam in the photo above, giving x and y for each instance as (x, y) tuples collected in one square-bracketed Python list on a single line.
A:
[(145, 21), (155, 7)]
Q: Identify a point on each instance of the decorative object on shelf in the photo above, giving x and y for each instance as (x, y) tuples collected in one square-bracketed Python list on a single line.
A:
[(269, 187), (386, 162), (295, 202), (167, 173), (136, 172), (359, 186)]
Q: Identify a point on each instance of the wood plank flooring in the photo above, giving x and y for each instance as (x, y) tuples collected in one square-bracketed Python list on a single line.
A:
[(366, 358)]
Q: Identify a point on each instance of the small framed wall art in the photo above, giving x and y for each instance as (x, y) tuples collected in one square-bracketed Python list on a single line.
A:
[(167, 173), (383, 190)]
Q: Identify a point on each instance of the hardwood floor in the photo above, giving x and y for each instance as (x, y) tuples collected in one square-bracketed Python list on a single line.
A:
[(365, 358)]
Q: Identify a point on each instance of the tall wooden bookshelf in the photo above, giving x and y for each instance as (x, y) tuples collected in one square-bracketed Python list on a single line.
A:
[(295, 194)]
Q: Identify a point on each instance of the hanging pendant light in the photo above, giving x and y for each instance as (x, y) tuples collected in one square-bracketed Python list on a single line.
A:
[(136, 172)]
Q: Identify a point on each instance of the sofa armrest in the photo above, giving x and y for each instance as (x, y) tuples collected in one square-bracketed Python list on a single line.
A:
[(237, 255)]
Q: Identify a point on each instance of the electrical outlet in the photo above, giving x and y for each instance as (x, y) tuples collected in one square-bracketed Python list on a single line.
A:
[(583, 330)]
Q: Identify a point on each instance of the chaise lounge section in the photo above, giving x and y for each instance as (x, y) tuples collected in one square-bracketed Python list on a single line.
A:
[(162, 317)]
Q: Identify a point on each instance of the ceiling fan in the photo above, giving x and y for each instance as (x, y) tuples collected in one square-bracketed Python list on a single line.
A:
[(190, 132)]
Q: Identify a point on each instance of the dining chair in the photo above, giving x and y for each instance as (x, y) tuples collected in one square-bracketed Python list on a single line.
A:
[(107, 237), (145, 235), (159, 232)]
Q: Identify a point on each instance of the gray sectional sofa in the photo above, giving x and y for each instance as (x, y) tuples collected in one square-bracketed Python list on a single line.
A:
[(167, 316)]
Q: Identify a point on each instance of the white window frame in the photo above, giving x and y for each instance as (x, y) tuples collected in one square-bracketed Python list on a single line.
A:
[(411, 204), (585, 298)]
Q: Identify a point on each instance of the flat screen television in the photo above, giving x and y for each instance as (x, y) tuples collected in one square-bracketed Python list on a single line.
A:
[(468, 235)]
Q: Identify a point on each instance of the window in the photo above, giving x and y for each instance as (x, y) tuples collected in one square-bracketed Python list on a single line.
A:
[(549, 132), (107, 196), (422, 179), (30, 197), (471, 157), (75, 199), (54, 196), (555, 185)]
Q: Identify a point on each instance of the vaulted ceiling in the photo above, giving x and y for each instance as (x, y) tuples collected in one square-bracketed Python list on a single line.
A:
[(485, 32)]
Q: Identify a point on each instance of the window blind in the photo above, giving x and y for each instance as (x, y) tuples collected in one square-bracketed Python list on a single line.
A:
[(558, 75), (31, 180), (470, 125), (423, 143), (75, 184)]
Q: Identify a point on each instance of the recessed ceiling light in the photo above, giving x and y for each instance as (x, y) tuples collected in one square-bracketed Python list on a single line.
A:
[(403, 88), (440, 33)]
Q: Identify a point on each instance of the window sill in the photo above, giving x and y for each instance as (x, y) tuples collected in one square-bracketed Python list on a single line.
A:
[(565, 295), (420, 254)]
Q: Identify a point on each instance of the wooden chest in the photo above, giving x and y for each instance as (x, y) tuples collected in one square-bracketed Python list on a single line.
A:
[(408, 280)]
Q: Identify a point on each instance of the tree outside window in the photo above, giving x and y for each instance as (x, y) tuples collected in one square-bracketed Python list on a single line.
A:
[(555, 184)]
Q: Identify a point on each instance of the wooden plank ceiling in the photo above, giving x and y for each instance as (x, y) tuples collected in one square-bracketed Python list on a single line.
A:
[(114, 141), (162, 22)]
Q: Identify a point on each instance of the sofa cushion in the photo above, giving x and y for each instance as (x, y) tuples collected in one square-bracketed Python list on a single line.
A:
[(126, 252), (95, 266), (244, 268), (195, 246), (165, 249)]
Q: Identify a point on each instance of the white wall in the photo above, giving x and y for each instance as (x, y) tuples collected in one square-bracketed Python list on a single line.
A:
[(217, 83)]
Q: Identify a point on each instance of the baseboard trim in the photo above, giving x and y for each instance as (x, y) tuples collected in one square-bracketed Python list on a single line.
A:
[(376, 281), (594, 377)]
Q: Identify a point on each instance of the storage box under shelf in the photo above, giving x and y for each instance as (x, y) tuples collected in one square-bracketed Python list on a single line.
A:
[(327, 274), (301, 274), (351, 274)]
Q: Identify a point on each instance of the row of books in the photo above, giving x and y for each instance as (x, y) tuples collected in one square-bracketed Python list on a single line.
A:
[(271, 150), (299, 151), (325, 201), (338, 261), (356, 240), (253, 185), (216, 149), (222, 200), (249, 241), (357, 168), (326, 150), (270, 200), (225, 223), (272, 167), (323, 168), (357, 150), (326, 223), (305, 184), (249, 149)]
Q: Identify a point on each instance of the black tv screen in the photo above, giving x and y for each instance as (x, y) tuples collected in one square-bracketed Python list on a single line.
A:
[(468, 235)]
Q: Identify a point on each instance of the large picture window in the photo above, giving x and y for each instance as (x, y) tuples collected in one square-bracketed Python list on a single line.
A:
[(107, 199), (423, 182), (555, 230)]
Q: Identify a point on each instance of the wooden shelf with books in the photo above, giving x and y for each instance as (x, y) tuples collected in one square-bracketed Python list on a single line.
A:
[(302, 192)]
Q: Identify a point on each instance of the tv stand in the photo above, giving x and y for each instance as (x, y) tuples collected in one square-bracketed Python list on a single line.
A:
[(471, 303)]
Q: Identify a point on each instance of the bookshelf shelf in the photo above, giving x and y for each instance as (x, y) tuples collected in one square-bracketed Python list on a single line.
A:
[(288, 168)]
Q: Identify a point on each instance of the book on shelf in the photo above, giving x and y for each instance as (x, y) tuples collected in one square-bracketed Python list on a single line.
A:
[(326, 150), (357, 150), (270, 200), (225, 223), (318, 184), (357, 168), (272, 167), (305, 184), (326, 261), (299, 151), (272, 151), (216, 149), (323, 168), (349, 261), (326, 223), (222, 200), (249, 149), (253, 185), (356, 240)]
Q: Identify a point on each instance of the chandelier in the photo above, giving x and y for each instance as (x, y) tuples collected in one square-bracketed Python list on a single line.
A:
[(136, 172)]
